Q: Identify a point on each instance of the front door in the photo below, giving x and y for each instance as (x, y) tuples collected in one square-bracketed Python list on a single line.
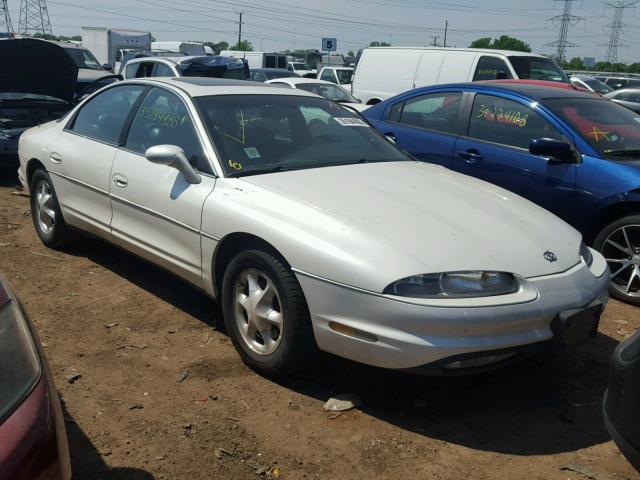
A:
[(156, 212)]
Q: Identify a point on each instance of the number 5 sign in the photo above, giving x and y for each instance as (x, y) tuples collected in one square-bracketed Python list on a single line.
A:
[(329, 44)]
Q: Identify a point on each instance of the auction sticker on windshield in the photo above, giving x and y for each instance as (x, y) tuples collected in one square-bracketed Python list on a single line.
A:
[(351, 122), (252, 152)]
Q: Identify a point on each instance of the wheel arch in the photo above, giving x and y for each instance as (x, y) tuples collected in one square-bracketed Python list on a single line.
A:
[(611, 213), (373, 101), (33, 165), (232, 244)]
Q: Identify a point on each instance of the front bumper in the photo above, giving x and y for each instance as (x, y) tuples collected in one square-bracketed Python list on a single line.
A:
[(386, 332)]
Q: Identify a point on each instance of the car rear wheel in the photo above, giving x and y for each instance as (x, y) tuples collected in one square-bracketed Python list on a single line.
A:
[(45, 212), (619, 242), (266, 314)]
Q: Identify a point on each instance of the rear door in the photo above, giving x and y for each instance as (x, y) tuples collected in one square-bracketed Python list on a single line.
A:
[(456, 67), (426, 125), (496, 149), (156, 212)]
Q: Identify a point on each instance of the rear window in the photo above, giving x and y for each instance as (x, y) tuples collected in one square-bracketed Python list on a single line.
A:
[(538, 68)]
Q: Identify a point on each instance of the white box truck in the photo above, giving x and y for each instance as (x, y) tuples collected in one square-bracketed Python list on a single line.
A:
[(259, 59), (193, 49), (108, 45)]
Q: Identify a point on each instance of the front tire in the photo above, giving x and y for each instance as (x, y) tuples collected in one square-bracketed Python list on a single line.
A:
[(266, 314), (45, 212), (619, 242)]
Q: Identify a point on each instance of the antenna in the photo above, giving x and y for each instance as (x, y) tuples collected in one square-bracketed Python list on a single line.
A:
[(616, 27), (563, 21), (5, 19), (34, 17)]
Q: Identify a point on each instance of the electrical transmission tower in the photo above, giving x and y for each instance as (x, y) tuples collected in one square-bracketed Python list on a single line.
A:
[(5, 19), (34, 17), (563, 21), (616, 27)]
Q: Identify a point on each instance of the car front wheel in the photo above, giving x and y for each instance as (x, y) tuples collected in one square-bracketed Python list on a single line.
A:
[(619, 242), (45, 212), (266, 314)]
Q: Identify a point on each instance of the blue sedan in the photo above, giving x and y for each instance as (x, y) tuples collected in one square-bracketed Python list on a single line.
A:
[(574, 153)]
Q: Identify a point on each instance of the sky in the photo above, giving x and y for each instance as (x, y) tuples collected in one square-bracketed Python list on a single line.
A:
[(273, 25)]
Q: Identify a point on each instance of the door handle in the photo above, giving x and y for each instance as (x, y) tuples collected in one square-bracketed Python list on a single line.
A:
[(391, 137), (55, 157), (120, 181), (471, 156)]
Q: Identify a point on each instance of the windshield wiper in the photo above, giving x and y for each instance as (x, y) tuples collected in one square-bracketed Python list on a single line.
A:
[(623, 153), (257, 171)]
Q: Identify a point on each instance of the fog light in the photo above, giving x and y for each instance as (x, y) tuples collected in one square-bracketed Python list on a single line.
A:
[(478, 361)]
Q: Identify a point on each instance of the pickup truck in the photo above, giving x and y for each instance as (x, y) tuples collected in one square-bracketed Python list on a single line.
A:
[(339, 75)]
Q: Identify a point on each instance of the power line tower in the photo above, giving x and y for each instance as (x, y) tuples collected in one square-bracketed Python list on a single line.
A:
[(564, 21), (5, 19), (34, 17), (616, 26)]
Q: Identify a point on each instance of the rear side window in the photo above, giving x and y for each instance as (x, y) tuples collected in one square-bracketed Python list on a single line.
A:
[(491, 68), (498, 120), (103, 117), (163, 119), (270, 61), (436, 111), (617, 83), (163, 70)]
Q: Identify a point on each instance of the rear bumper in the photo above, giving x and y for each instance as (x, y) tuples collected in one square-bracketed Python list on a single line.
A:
[(630, 451)]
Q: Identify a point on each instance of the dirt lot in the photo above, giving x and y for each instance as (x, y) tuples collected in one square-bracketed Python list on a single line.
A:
[(133, 331)]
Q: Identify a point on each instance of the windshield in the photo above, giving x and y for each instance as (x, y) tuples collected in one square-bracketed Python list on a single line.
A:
[(299, 66), (611, 129), (279, 74), (344, 76), (537, 68), (261, 133), (83, 58), (597, 86), (328, 91)]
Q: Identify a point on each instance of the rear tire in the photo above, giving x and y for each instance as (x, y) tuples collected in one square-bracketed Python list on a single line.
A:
[(619, 242), (266, 315), (45, 212)]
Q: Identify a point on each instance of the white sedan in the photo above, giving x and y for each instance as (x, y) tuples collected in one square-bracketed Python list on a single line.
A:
[(327, 90), (311, 229)]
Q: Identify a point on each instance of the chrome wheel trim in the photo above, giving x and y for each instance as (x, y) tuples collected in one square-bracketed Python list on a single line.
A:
[(258, 311), (45, 213), (621, 250)]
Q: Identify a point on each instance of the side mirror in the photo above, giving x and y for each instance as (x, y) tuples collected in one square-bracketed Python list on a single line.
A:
[(555, 149), (173, 156), (107, 67)]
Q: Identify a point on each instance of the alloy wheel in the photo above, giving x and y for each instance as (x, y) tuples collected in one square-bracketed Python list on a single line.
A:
[(258, 311), (45, 212), (621, 249)]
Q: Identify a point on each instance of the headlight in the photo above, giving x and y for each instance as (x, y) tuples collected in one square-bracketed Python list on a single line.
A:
[(19, 362), (585, 254), (454, 284)]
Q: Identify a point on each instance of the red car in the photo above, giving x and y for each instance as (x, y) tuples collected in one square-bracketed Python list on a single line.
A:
[(33, 441)]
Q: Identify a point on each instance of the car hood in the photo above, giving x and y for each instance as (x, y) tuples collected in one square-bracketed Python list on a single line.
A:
[(37, 67), (411, 218)]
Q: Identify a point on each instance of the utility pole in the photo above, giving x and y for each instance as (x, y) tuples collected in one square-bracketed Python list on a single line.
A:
[(435, 39), (616, 27), (34, 17), (5, 19), (240, 28), (563, 21), (446, 27), (294, 40)]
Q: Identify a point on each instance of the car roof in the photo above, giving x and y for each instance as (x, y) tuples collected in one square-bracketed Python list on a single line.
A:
[(510, 53), (534, 90), (207, 86), (299, 80)]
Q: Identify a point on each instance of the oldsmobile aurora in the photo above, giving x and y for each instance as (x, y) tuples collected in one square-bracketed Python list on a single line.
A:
[(311, 228)]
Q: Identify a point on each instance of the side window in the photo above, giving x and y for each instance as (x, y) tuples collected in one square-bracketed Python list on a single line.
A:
[(163, 119), (119, 56), (131, 70), (259, 77), (163, 70), (436, 111), (498, 120), (145, 69), (491, 68), (103, 117), (395, 111), (328, 76)]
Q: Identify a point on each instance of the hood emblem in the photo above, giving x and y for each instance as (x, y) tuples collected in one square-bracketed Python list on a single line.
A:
[(550, 256)]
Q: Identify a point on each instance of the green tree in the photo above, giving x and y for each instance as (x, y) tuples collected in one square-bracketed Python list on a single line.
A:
[(505, 42), (350, 53), (575, 63), (243, 46), (379, 44)]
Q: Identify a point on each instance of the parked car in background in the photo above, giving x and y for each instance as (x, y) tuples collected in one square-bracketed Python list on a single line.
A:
[(327, 90), (301, 69), (33, 441), (618, 83), (192, 49), (259, 59), (383, 72), (574, 153), (236, 187), (37, 85), (590, 83), (621, 400), (264, 74), (339, 75), (206, 66), (629, 97), (109, 45)]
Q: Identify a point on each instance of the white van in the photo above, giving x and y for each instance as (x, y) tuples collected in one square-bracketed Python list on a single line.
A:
[(383, 72), (259, 59)]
